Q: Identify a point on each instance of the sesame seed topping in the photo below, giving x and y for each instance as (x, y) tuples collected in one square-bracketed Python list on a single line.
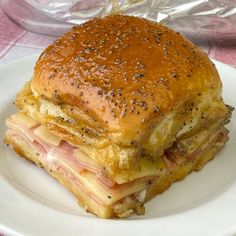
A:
[(100, 92), (155, 109), (139, 75)]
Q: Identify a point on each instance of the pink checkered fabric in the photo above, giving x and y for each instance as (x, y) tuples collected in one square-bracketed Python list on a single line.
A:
[(16, 39), (16, 42)]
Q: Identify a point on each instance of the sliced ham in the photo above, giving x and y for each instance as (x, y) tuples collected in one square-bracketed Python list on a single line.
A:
[(84, 180), (82, 171), (90, 165), (54, 163), (168, 162), (75, 158), (35, 145), (66, 157), (21, 129)]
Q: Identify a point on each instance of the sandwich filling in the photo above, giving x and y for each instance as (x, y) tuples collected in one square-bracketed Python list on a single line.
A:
[(193, 120), (58, 156)]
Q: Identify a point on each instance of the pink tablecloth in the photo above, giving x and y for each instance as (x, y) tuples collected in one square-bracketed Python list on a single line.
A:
[(16, 42)]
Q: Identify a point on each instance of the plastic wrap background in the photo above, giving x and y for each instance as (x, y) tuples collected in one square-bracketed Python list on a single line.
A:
[(197, 19)]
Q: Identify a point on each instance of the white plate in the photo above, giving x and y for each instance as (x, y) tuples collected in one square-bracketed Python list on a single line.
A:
[(33, 203)]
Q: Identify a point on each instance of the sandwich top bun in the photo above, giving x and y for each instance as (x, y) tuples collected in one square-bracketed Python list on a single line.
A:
[(124, 72)]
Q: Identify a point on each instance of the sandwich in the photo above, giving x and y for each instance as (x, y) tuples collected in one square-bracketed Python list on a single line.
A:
[(117, 110)]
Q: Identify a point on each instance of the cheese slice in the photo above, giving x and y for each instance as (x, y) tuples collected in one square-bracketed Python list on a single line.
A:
[(25, 120), (85, 158), (107, 196), (46, 136)]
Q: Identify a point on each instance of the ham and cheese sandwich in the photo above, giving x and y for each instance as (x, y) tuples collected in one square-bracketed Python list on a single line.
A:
[(117, 110)]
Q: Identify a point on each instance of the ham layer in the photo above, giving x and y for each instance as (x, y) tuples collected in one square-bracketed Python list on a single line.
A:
[(83, 171)]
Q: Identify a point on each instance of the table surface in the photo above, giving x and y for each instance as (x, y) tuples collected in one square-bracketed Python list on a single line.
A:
[(16, 42)]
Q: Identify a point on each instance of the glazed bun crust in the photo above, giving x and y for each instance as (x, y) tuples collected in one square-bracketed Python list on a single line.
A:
[(124, 72)]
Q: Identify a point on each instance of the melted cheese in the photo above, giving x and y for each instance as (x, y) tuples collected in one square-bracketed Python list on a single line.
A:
[(85, 158), (107, 195), (46, 136)]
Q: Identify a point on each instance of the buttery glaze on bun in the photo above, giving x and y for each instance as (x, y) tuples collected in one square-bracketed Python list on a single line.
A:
[(118, 109), (121, 69)]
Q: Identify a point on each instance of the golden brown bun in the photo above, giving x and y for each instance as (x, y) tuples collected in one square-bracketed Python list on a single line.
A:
[(125, 73)]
